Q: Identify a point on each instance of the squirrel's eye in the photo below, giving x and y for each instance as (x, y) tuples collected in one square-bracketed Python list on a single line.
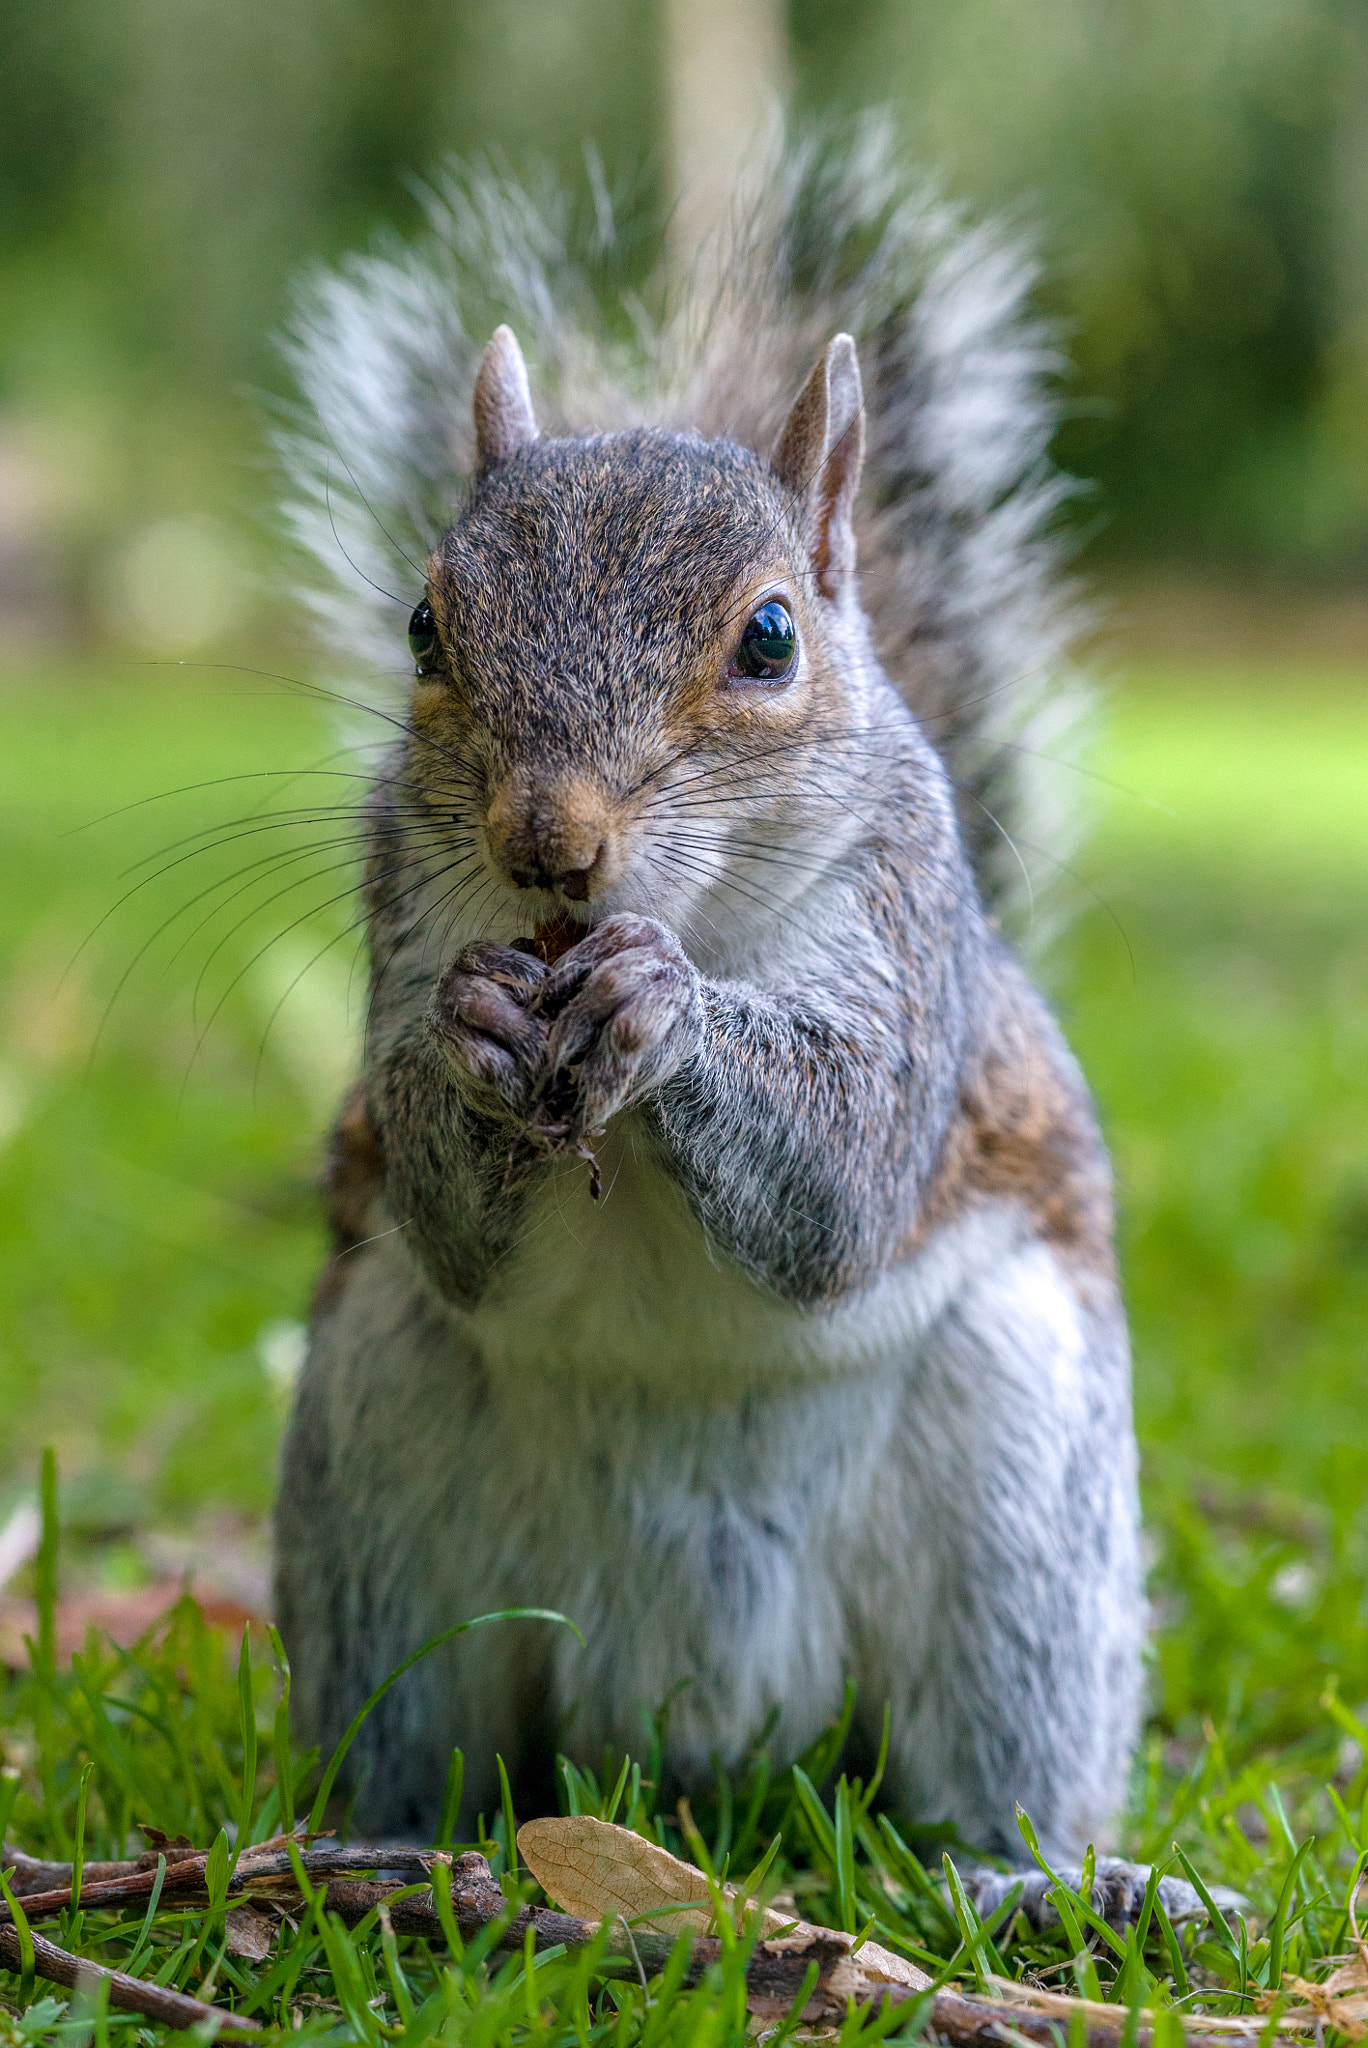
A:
[(422, 632), (768, 644)]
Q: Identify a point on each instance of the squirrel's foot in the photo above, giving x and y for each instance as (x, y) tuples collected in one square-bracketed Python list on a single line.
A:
[(494, 1041), (1118, 1893), (624, 1005)]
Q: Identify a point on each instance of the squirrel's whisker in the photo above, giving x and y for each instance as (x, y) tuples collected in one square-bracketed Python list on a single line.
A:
[(729, 840), (181, 910), (275, 865), (421, 791), (214, 838), (325, 695), (764, 900), (425, 916), (315, 910), (701, 845), (257, 872), (378, 588), (351, 473), (222, 782)]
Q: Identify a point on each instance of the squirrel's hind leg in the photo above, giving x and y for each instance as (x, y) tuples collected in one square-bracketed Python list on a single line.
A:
[(383, 1540), (999, 1603)]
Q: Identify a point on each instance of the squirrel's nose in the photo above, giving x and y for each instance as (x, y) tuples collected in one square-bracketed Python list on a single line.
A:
[(552, 832), (572, 882)]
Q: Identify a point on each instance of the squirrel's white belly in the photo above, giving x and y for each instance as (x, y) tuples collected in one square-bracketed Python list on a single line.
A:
[(759, 1547), (628, 1289)]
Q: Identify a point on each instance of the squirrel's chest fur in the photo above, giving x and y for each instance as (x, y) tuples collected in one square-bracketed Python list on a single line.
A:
[(626, 1293), (712, 1483)]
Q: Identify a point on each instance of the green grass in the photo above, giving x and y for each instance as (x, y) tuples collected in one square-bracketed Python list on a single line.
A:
[(156, 1218), (1223, 1022), (156, 1208)]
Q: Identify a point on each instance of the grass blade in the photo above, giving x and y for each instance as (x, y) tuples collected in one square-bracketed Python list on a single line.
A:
[(845, 1859), (816, 1816), (1177, 1965), (45, 1566), (78, 1852), (509, 1821), (1219, 1925), (1080, 1909), (247, 1715), (973, 1930), (281, 1734), (25, 1933), (447, 1635), (1277, 1932), (451, 1800)]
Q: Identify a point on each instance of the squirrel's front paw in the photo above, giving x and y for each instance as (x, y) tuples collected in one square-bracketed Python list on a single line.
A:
[(625, 1006), (496, 1044)]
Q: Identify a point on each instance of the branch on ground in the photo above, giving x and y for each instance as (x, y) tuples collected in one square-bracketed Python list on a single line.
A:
[(777, 1970), (126, 1994)]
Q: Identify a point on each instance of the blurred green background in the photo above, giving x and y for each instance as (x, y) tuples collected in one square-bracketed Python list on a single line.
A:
[(1198, 173), (1198, 177)]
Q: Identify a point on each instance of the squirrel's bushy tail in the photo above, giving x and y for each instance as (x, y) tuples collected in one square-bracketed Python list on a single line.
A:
[(960, 567)]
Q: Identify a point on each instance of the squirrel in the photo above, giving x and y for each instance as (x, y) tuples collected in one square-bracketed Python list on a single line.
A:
[(723, 1233)]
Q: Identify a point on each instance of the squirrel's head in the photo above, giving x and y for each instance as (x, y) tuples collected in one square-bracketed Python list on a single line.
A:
[(636, 654)]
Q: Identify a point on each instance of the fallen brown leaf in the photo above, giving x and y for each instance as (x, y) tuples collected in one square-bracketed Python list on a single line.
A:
[(124, 1616), (591, 1868), (250, 1933), (1341, 2001), (598, 1871)]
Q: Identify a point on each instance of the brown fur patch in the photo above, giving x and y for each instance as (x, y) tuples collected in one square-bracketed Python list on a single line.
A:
[(353, 1178), (1025, 1132)]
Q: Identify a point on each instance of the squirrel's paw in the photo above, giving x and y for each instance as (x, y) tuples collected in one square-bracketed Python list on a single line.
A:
[(625, 1004), (1118, 1893), (495, 1043)]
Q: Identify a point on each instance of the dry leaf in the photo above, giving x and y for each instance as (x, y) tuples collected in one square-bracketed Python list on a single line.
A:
[(124, 1616), (1340, 2002), (865, 1973), (597, 1871), (250, 1933)]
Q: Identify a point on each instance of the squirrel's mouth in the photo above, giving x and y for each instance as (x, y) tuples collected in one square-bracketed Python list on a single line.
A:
[(556, 935)]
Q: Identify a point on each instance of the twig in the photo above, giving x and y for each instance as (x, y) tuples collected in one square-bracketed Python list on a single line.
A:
[(32, 1874), (129, 1994), (775, 1972), (261, 1870), (1059, 2005)]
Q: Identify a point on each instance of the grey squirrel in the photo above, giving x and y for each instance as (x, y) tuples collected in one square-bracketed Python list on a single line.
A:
[(723, 1232)]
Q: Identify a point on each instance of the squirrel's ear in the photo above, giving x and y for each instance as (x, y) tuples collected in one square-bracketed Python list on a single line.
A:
[(818, 456), (504, 420)]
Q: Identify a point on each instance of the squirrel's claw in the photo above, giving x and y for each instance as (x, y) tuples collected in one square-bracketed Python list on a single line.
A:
[(1118, 1893)]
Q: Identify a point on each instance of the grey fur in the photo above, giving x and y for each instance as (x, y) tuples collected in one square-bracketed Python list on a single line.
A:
[(834, 1378)]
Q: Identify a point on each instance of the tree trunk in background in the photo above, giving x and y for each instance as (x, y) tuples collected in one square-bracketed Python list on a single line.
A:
[(726, 81)]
